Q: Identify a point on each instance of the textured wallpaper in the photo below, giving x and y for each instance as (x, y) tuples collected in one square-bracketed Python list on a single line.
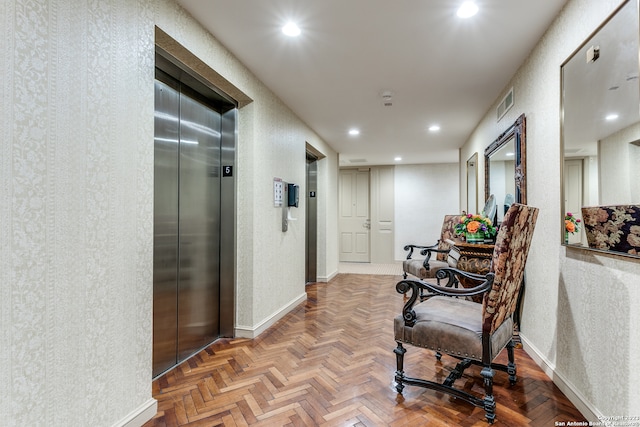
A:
[(77, 168), (579, 310), (76, 204)]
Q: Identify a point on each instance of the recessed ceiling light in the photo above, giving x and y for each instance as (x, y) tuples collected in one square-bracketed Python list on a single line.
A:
[(397, 159), (434, 128), (611, 117), (291, 29), (509, 154), (467, 10), (354, 132)]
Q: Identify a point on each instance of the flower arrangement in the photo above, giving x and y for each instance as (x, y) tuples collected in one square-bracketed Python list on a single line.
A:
[(474, 223), (571, 223)]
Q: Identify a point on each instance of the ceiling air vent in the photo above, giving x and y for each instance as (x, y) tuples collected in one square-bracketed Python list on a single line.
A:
[(505, 104)]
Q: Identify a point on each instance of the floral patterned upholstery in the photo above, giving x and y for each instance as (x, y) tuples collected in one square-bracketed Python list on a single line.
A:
[(613, 228), (425, 268), (447, 234), (509, 257)]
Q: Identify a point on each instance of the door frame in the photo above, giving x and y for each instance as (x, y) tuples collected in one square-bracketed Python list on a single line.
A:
[(166, 59)]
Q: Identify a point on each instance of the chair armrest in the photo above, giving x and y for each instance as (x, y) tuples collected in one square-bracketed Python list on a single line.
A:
[(416, 286), (427, 253), (443, 273), (410, 248)]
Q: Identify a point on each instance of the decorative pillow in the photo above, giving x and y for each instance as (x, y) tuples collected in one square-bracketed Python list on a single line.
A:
[(613, 228)]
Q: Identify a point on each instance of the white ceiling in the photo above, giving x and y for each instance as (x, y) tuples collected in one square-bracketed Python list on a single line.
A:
[(440, 69), (608, 85)]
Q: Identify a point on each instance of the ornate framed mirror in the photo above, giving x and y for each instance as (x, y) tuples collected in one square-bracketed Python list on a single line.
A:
[(600, 137), (505, 167), (472, 184)]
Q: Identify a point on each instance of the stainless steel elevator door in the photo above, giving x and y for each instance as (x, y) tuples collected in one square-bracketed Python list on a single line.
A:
[(186, 301), (311, 239), (165, 227), (199, 241)]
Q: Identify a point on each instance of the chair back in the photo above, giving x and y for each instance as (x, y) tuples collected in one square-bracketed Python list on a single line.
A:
[(448, 233), (508, 262), (490, 209)]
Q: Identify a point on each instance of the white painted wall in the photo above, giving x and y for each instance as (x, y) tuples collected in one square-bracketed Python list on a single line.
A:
[(424, 194), (76, 205), (618, 165), (580, 309)]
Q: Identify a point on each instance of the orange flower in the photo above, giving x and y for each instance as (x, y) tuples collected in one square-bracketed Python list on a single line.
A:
[(473, 226), (569, 226)]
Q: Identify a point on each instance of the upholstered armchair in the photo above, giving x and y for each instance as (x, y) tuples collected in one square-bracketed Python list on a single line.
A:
[(473, 333), (427, 267)]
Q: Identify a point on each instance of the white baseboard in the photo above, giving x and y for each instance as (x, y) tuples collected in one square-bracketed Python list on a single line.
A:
[(565, 386), (326, 279), (140, 415), (253, 332)]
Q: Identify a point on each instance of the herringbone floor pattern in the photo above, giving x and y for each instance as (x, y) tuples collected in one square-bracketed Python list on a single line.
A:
[(330, 363)]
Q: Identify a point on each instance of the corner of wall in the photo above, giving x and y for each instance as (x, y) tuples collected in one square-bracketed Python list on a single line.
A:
[(574, 396)]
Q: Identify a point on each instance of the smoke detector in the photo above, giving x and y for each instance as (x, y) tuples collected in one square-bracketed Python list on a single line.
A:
[(386, 98)]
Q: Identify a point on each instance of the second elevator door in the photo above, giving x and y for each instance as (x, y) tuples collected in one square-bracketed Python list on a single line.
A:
[(186, 224)]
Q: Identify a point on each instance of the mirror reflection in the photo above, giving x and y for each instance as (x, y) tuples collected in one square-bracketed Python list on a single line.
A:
[(505, 162), (472, 184), (601, 135), (502, 179)]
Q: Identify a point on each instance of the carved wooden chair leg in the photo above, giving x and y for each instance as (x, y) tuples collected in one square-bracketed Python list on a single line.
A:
[(399, 351), (489, 401), (511, 366)]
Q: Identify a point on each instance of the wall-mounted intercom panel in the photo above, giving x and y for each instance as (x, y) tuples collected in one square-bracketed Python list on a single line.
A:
[(293, 194), (289, 194)]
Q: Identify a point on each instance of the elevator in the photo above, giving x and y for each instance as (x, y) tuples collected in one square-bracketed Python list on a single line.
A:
[(194, 211), (311, 232)]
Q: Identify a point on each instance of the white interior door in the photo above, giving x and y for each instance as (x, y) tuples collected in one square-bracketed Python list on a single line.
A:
[(354, 215)]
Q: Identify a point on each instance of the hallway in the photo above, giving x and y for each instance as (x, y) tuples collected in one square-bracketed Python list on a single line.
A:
[(330, 362)]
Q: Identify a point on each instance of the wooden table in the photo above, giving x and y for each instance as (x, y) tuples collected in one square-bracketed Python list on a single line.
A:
[(474, 257)]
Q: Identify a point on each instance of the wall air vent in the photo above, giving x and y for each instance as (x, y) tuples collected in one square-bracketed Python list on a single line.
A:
[(505, 104), (357, 160)]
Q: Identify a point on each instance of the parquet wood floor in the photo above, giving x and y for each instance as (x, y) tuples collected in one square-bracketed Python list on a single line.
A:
[(330, 362)]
